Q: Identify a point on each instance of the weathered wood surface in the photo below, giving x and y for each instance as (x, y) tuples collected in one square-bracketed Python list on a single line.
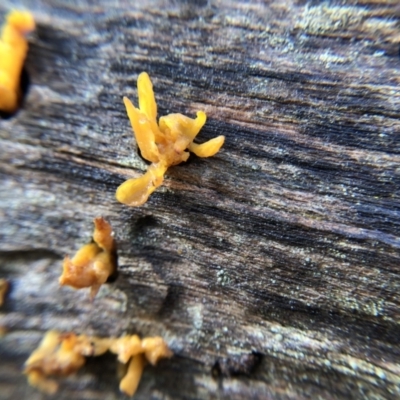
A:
[(286, 243)]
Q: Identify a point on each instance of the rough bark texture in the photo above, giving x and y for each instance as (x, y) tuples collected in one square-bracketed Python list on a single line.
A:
[(285, 244)]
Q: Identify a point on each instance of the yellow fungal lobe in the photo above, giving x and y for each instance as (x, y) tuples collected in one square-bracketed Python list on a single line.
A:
[(13, 50), (55, 356), (155, 348), (207, 149), (150, 349), (4, 286), (126, 347), (94, 262), (62, 354), (130, 382), (137, 191), (164, 144)]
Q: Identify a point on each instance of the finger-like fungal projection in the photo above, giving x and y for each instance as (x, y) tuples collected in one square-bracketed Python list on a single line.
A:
[(55, 356), (13, 50), (163, 144), (130, 382), (150, 349), (94, 262)]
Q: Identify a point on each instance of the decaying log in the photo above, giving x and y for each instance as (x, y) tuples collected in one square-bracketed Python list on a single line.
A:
[(281, 251)]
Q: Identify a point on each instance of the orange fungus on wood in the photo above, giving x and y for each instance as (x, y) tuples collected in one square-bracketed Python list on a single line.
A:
[(163, 144), (13, 50), (62, 354), (94, 262)]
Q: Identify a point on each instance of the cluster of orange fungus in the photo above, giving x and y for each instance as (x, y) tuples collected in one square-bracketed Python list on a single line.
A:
[(94, 262), (13, 49), (62, 354), (163, 144), (138, 352)]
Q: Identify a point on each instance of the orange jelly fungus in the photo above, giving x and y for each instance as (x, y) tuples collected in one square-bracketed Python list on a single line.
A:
[(62, 354), (138, 351), (94, 262), (163, 144), (13, 49)]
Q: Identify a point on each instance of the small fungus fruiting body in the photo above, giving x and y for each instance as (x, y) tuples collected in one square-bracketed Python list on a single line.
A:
[(150, 349), (126, 347), (130, 382), (62, 354), (138, 351), (94, 262), (155, 348), (163, 144), (55, 356), (13, 50), (4, 285)]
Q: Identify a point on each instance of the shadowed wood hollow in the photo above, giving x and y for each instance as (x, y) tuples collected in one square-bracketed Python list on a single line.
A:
[(270, 269)]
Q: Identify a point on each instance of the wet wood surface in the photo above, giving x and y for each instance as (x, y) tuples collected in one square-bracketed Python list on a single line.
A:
[(272, 268)]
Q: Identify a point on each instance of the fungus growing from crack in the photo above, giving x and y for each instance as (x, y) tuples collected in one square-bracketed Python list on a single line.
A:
[(163, 144), (13, 50), (94, 262)]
